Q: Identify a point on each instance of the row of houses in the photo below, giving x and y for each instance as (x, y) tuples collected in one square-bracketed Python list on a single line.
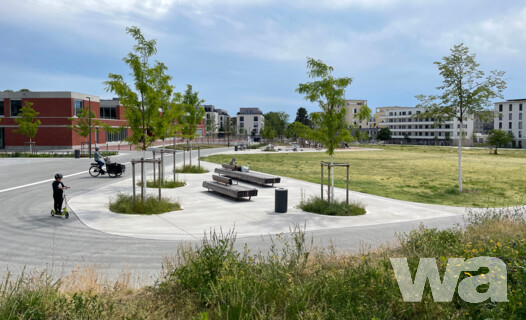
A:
[(56, 109), (406, 128)]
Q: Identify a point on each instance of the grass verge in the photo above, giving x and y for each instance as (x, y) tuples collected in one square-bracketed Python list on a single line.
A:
[(123, 203), (191, 169), (293, 280), (336, 208), (168, 184), (422, 174)]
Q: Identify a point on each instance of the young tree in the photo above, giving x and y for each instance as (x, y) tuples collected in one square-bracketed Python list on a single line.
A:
[(464, 92), (384, 134), (268, 133), (277, 121), (81, 123), (151, 92), (329, 93), (211, 128), (499, 138), (302, 116), (192, 114), (27, 124)]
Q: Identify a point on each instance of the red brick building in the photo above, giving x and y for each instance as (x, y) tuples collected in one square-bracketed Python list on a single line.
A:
[(54, 110)]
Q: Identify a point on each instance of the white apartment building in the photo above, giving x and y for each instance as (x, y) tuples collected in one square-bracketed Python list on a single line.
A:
[(405, 128), (219, 117), (354, 107), (511, 119), (250, 121)]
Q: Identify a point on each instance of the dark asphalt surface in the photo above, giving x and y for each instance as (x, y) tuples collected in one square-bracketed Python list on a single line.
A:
[(30, 238)]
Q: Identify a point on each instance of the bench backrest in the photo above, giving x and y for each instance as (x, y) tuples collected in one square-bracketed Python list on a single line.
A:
[(228, 166), (222, 179)]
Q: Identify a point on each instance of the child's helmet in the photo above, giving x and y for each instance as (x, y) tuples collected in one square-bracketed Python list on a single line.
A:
[(58, 176)]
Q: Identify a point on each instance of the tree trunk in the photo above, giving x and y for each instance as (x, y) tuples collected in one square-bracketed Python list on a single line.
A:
[(30, 146), (460, 158), (332, 179)]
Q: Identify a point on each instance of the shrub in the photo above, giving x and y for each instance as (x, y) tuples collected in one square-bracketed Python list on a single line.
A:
[(191, 169), (168, 184), (336, 208), (123, 203)]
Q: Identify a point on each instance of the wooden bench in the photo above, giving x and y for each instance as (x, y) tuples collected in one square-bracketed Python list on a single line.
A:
[(224, 186), (252, 177)]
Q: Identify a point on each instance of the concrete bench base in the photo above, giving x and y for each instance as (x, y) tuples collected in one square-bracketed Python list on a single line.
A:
[(234, 191)]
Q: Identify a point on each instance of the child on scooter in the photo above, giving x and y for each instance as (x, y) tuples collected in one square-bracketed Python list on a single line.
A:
[(58, 193)]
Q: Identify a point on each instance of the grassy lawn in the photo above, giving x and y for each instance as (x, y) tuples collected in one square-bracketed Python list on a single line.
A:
[(415, 173)]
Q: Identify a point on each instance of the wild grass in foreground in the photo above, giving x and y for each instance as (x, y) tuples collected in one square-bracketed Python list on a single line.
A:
[(123, 203), (294, 281), (423, 174), (336, 208), (191, 169)]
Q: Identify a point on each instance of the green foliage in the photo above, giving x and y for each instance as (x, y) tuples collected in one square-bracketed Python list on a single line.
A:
[(123, 203), (191, 169), (276, 122), (81, 123), (302, 116), (336, 208), (192, 113), (499, 139), (384, 134), (27, 125), (151, 106), (465, 92), (268, 133), (168, 184), (329, 93)]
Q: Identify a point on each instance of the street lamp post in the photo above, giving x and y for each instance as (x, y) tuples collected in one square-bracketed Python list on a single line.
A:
[(89, 123)]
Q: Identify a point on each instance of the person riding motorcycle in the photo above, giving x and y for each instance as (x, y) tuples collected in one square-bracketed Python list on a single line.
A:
[(97, 156)]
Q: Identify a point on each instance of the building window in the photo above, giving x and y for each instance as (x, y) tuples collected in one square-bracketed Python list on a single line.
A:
[(520, 125), (509, 126), (78, 105), (255, 119), (241, 118), (520, 134), (500, 125), (500, 118), (256, 125), (111, 113), (16, 106), (241, 125), (520, 107), (520, 116), (2, 108), (511, 114), (511, 107), (500, 107), (119, 136)]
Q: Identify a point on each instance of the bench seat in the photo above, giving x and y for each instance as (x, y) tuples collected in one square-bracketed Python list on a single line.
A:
[(252, 177), (234, 191)]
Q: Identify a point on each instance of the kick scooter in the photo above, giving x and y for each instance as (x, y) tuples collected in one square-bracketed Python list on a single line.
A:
[(65, 212)]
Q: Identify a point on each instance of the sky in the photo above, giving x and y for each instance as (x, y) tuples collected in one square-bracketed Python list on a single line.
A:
[(252, 53)]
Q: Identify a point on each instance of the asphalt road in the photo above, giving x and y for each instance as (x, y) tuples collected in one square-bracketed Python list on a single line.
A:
[(30, 238)]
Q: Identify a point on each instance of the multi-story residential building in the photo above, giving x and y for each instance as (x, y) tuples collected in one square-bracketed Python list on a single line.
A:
[(353, 108), (223, 119), (55, 110), (405, 127), (510, 118), (250, 121)]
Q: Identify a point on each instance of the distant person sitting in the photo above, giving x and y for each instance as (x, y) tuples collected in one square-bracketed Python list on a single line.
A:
[(233, 162), (97, 156)]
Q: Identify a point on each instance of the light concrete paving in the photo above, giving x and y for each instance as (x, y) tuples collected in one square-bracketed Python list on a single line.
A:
[(204, 211)]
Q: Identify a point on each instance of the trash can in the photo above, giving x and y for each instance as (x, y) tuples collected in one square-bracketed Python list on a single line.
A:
[(235, 148), (77, 154), (281, 199)]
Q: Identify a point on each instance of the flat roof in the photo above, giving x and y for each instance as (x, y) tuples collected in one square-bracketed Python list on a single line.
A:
[(48, 95)]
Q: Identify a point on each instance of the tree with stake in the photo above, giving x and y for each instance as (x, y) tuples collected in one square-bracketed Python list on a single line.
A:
[(27, 125), (152, 92), (329, 93), (191, 116), (464, 92)]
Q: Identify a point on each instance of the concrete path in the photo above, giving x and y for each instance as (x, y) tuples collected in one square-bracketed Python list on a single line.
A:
[(204, 211)]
